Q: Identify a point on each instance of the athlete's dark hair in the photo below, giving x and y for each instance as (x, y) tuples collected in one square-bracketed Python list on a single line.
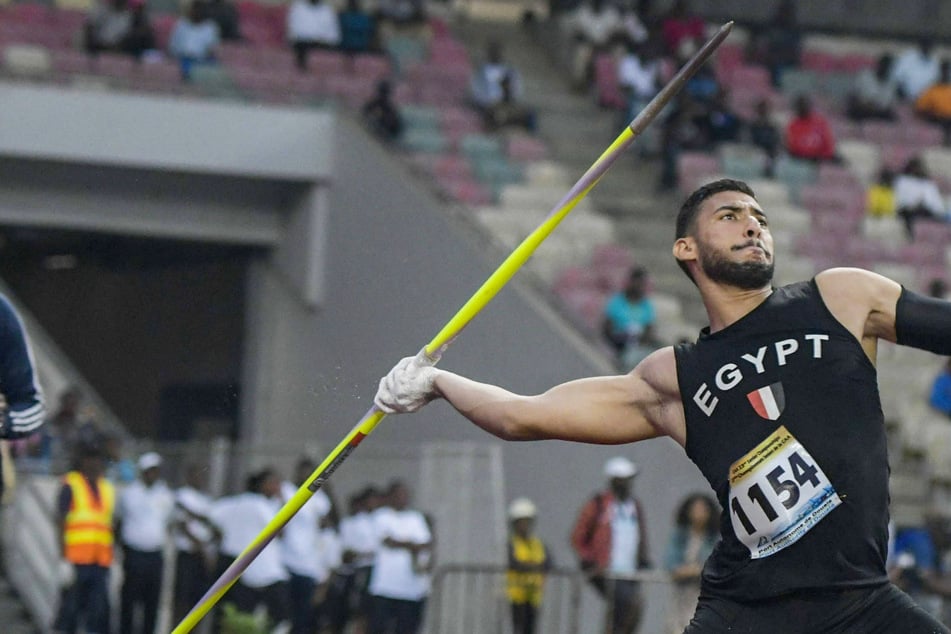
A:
[(683, 512), (690, 208)]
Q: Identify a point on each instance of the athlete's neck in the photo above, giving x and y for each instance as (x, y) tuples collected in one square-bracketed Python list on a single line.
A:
[(727, 304)]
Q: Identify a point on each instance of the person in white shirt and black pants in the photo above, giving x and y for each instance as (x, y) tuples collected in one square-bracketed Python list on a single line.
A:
[(400, 583), (143, 514)]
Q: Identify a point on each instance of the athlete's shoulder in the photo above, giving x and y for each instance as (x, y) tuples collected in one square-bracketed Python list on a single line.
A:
[(851, 283), (659, 371)]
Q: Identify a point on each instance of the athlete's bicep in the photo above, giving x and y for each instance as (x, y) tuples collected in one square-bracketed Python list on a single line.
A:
[(612, 409)]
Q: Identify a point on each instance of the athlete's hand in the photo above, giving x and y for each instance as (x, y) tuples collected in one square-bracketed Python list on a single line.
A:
[(66, 573), (409, 385)]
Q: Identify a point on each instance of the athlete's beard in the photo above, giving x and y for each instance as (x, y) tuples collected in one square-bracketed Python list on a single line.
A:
[(747, 276)]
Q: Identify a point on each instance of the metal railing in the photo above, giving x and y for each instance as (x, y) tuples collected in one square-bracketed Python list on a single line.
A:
[(471, 599)]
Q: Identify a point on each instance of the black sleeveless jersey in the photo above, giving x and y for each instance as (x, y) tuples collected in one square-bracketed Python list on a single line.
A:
[(784, 420)]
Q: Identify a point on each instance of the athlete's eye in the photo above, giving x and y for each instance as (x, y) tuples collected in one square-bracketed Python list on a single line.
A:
[(763, 222)]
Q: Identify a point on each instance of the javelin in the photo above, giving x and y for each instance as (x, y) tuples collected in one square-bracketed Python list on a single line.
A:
[(451, 330)]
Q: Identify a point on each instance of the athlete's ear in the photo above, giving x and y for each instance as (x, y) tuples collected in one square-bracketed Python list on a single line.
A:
[(685, 249)]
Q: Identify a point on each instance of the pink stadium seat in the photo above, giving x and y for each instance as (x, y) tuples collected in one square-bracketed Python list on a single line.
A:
[(70, 61), (855, 62), (930, 234), (28, 13), (829, 222), (695, 166), (465, 190), (523, 147), (574, 277), (585, 304), (836, 175), (612, 255), (749, 77), (728, 57), (819, 61), (607, 90), (374, 67), (882, 132), (894, 157), (923, 134)]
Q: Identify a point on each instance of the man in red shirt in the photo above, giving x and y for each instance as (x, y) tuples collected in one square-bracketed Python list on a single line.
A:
[(808, 135)]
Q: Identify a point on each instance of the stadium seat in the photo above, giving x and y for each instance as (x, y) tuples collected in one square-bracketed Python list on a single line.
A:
[(607, 90), (27, 60)]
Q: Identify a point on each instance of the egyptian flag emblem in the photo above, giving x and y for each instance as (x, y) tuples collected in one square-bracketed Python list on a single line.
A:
[(768, 401)]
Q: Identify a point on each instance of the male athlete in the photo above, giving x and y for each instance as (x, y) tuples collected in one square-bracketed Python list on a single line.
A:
[(777, 404)]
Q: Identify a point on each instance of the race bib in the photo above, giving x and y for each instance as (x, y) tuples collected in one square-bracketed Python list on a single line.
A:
[(777, 494)]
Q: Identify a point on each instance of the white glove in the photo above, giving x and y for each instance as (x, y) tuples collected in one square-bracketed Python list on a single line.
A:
[(67, 573), (409, 385)]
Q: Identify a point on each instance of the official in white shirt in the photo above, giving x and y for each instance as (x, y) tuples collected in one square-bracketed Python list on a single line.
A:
[(240, 518), (196, 539), (400, 580), (359, 542), (301, 550), (143, 514)]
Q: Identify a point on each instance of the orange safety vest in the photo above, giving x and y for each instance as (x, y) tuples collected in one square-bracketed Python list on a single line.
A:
[(88, 528)]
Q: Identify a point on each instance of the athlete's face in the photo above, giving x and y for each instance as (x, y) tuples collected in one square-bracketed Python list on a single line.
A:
[(731, 241)]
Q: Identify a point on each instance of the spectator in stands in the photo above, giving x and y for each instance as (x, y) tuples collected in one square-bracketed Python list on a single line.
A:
[(402, 16), (639, 75), (940, 397), (194, 39), (357, 30), (195, 538), (724, 123), (691, 542), (528, 561), (917, 568), (938, 288), (358, 537), (917, 195), (382, 115), (915, 69), (628, 321), (686, 127), (610, 540), (880, 198), (496, 90), (224, 13), (312, 24), (934, 104), (120, 26), (595, 26), (809, 135), (85, 506), (875, 94), (399, 583), (765, 135), (143, 516), (240, 518), (682, 30), (65, 423), (300, 549), (778, 44)]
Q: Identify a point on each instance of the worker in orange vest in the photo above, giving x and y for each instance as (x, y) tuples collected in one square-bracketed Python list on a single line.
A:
[(86, 504)]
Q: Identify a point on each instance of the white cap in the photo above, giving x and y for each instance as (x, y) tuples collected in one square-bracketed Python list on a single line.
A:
[(620, 467), (521, 508), (149, 460)]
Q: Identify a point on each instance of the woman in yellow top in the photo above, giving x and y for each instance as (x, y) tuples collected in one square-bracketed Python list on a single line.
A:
[(528, 562), (880, 198)]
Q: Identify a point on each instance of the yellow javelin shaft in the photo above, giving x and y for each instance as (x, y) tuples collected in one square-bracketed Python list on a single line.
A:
[(469, 310)]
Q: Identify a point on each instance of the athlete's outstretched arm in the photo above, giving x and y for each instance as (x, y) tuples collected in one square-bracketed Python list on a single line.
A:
[(873, 306), (604, 410)]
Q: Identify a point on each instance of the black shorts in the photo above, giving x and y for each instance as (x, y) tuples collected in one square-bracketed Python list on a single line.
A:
[(879, 610)]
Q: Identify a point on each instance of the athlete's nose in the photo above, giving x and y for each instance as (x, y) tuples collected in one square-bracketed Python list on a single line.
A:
[(753, 227)]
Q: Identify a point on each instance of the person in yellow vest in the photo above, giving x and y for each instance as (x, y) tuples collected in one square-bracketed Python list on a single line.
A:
[(528, 562), (86, 503)]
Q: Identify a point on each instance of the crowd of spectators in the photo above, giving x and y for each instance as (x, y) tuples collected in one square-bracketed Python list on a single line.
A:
[(367, 568)]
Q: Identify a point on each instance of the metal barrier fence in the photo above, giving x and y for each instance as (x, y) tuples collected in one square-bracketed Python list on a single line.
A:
[(471, 599)]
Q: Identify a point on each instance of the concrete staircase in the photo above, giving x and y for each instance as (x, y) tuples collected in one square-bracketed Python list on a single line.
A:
[(577, 131), (13, 614)]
